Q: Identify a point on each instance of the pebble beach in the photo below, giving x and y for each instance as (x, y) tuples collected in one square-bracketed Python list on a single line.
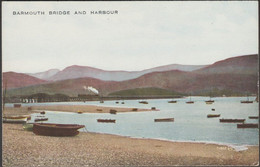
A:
[(25, 149)]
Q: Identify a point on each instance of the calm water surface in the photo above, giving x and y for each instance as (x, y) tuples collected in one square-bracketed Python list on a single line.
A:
[(190, 120)]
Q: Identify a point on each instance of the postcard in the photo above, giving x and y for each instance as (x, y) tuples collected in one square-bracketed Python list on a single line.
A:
[(130, 83)]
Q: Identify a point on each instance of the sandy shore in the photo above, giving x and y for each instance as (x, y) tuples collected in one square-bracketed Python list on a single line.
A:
[(25, 149), (70, 108)]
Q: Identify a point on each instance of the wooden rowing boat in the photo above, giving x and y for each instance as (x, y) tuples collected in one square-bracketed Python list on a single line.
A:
[(213, 115), (106, 120), (113, 111), (247, 125), (51, 129), (15, 119), (253, 117), (231, 120), (164, 120)]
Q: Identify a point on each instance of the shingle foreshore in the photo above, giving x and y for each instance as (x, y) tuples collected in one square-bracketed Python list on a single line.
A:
[(25, 149)]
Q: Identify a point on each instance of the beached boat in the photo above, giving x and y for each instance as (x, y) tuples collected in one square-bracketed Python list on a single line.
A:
[(106, 120), (28, 126), (247, 125), (80, 112), (113, 111), (143, 102), (42, 112), (15, 119), (50, 129), (213, 115), (253, 117), (40, 119), (164, 120), (231, 120)]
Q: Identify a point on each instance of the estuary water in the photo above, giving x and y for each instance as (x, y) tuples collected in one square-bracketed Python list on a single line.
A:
[(190, 120)]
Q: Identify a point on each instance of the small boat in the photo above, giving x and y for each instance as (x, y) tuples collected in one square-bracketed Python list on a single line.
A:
[(153, 108), (80, 112), (40, 119), (17, 105), (253, 117), (190, 102), (101, 101), (247, 101), (213, 115), (50, 129), (15, 119), (122, 102), (164, 120), (106, 120), (42, 112), (247, 125), (213, 109), (28, 126), (113, 111), (231, 120), (143, 102), (172, 101), (209, 101), (117, 102), (135, 109)]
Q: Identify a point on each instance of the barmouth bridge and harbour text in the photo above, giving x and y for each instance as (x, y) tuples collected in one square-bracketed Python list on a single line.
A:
[(92, 12)]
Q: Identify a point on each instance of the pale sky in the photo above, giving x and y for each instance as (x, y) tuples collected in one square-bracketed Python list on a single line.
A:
[(142, 35)]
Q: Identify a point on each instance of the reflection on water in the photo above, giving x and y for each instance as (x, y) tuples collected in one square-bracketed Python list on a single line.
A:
[(190, 120)]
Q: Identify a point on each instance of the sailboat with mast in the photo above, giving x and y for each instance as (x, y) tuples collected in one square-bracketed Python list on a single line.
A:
[(247, 101), (190, 102), (14, 118), (210, 101)]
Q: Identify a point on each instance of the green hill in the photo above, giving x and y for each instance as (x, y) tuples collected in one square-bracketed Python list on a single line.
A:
[(152, 91)]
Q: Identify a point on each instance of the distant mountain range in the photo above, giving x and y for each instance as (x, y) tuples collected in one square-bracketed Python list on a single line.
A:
[(233, 75), (44, 75), (76, 71)]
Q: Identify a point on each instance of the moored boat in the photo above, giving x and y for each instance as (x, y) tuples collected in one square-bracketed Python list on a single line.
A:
[(190, 102), (253, 117), (143, 102), (51, 129), (42, 112), (213, 115), (172, 101), (164, 120), (247, 125), (106, 120), (209, 101), (247, 101), (232, 120)]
